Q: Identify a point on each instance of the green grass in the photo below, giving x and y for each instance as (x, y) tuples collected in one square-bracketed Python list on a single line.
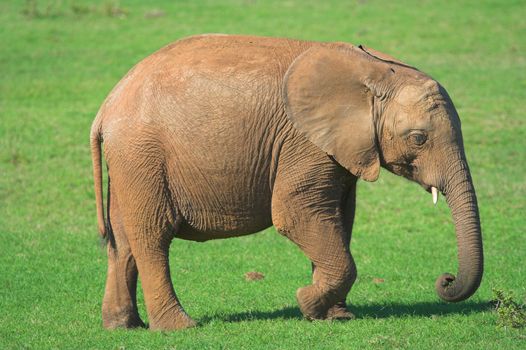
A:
[(58, 62)]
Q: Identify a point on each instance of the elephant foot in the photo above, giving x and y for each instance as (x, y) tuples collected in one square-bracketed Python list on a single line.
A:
[(313, 305), (122, 319), (172, 321), (317, 306), (340, 312)]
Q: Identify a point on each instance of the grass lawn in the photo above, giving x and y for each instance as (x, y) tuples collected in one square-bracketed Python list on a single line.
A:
[(57, 64)]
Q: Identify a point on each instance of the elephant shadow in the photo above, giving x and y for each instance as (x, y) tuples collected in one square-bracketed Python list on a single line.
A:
[(363, 311)]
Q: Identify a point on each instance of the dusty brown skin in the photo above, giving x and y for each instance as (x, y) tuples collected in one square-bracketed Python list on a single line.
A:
[(218, 136)]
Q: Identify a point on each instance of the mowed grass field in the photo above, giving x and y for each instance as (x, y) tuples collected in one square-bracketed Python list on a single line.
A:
[(58, 61)]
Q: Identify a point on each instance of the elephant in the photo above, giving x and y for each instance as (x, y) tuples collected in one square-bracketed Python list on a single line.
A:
[(216, 136)]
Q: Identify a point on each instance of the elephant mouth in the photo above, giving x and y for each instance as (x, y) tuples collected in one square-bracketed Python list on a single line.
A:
[(404, 169), (408, 170)]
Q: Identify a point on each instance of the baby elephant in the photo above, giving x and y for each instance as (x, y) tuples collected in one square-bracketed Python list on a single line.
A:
[(217, 136)]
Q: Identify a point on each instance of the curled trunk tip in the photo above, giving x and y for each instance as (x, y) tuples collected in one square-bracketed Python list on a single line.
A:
[(453, 290)]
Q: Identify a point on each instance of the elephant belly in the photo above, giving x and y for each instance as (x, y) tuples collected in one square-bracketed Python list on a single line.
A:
[(222, 215), (220, 192), (190, 233)]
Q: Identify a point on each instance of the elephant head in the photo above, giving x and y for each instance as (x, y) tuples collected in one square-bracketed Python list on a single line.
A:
[(367, 110)]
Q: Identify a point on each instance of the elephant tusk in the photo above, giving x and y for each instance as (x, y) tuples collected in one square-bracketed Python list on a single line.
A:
[(434, 191)]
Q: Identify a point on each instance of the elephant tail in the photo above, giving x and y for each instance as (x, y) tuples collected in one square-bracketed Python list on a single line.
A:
[(95, 142)]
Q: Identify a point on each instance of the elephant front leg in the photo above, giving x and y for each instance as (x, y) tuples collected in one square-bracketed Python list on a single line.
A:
[(335, 275), (321, 236), (339, 311)]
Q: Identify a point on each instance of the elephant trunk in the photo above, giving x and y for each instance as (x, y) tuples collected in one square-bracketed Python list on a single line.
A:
[(462, 200)]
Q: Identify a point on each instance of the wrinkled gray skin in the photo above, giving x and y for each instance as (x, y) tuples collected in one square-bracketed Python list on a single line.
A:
[(218, 136)]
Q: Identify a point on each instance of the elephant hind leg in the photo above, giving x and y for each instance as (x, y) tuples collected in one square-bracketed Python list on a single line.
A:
[(165, 312), (151, 221), (119, 307)]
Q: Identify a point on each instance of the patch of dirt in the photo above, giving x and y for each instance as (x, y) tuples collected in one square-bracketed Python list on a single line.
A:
[(378, 280), (254, 276)]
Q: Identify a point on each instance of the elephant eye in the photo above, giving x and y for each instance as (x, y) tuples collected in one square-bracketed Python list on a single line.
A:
[(418, 138)]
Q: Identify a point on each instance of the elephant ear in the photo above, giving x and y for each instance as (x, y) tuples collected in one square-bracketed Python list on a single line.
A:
[(383, 56), (329, 99)]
